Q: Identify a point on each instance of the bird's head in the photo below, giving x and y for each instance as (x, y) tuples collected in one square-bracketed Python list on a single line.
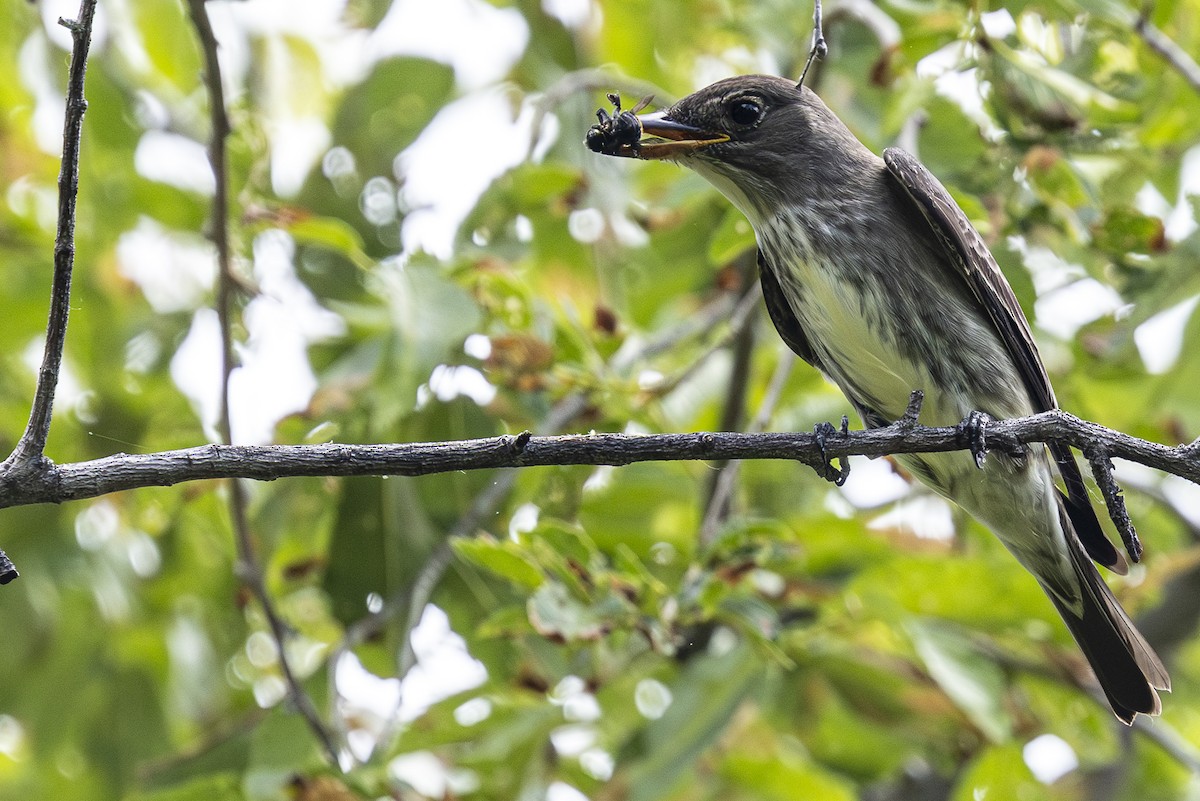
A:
[(729, 120), (759, 139)]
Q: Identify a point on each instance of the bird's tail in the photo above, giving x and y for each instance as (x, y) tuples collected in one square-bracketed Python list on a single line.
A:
[(1126, 666)]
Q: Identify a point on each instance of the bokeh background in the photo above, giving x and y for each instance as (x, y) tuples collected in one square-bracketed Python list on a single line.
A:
[(428, 252)]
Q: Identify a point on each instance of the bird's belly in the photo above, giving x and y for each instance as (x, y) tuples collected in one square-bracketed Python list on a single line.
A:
[(859, 353), (865, 351)]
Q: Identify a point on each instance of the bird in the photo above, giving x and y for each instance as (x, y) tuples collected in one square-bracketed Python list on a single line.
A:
[(871, 273)]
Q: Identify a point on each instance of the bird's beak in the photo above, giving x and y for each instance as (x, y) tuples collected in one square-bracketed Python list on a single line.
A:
[(670, 138)]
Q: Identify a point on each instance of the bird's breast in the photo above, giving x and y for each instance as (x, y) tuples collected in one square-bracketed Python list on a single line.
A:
[(883, 317)]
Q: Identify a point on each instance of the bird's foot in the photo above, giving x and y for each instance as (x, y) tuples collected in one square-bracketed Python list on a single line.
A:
[(974, 429), (821, 433)]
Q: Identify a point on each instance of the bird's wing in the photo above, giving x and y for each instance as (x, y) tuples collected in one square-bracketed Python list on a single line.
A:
[(972, 260), (782, 316)]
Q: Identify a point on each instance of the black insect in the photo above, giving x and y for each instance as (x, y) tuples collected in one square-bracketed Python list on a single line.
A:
[(617, 134)]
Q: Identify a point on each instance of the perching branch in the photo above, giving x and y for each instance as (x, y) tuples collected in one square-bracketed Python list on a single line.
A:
[(91, 479), (249, 569), (28, 458)]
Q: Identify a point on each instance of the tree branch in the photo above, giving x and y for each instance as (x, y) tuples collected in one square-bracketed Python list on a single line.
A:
[(33, 442), (1166, 47), (28, 458), (249, 569), (90, 479)]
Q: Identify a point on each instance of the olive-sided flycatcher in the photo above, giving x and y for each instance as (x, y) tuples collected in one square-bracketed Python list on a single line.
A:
[(873, 275)]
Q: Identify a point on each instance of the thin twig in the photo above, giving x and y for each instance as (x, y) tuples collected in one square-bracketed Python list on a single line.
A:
[(1167, 738), (1102, 470), (223, 734), (819, 48), (419, 593), (1171, 52), (250, 570), (1156, 729), (726, 306), (28, 458), (219, 230), (739, 318), (33, 442)]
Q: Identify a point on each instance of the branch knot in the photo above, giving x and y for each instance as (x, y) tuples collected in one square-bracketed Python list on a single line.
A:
[(516, 445)]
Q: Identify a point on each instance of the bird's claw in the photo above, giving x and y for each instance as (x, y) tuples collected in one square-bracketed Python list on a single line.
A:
[(974, 429), (827, 471)]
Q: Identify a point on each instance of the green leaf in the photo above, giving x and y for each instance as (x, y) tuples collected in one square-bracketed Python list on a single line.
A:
[(505, 559), (990, 593), (555, 612), (999, 772), (282, 746), (357, 565), (971, 678), (334, 234), (785, 778), (160, 23), (733, 237), (855, 742), (215, 787), (704, 699), (384, 114)]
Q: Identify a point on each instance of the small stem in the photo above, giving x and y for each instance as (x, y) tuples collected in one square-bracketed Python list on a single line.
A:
[(28, 461), (249, 566), (32, 446), (819, 48), (1170, 52), (1102, 469)]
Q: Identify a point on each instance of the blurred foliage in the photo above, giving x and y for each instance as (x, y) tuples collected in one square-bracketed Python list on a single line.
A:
[(814, 647)]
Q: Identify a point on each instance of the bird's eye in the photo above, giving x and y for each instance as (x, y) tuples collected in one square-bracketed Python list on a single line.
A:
[(745, 111)]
